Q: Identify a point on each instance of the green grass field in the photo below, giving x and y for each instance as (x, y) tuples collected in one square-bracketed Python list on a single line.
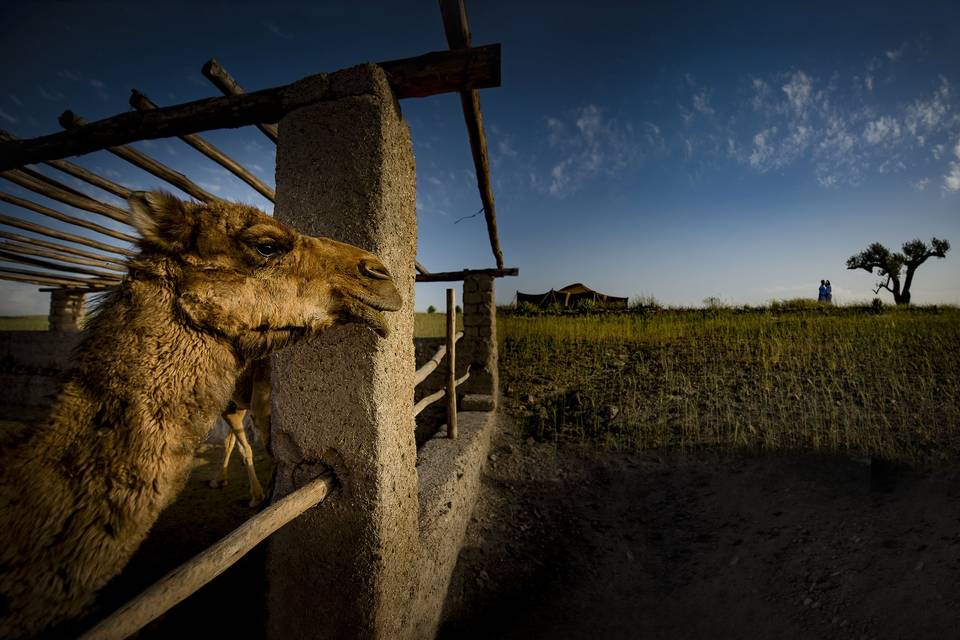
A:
[(844, 381), (23, 323)]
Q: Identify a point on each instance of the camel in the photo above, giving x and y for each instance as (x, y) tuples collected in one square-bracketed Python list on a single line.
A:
[(214, 287), (251, 395)]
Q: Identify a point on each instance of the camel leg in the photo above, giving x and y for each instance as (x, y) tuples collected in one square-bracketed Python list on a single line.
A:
[(228, 444), (256, 491)]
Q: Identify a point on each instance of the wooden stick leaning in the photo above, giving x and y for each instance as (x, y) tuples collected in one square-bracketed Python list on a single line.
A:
[(78, 172), (13, 256), (451, 365), (429, 74), (69, 120), (204, 567), (458, 37), (49, 189), (63, 217), (53, 278), (424, 372), (28, 250), (38, 242), (142, 103), (63, 235), (426, 401), (221, 79)]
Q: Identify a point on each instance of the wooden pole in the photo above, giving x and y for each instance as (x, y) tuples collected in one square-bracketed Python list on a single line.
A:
[(451, 365), (458, 37), (142, 103), (46, 264), (63, 235), (79, 172), (16, 237), (457, 276), (186, 579), (45, 188), (69, 120), (430, 74), (22, 275), (28, 250), (63, 217), (221, 79)]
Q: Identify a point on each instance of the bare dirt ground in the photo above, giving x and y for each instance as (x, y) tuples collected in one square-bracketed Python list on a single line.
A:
[(572, 542)]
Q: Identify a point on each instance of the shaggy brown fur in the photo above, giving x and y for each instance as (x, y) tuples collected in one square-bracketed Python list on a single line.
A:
[(213, 287)]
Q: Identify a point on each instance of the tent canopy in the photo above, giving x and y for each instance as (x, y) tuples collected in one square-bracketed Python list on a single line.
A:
[(569, 296)]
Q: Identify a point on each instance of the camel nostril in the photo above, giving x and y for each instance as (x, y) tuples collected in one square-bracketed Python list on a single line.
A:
[(374, 270)]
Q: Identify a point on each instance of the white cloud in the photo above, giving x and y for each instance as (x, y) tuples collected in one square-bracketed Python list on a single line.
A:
[(97, 84), (68, 74), (701, 103), (275, 29), (929, 115), (884, 129), (897, 53), (868, 82), (951, 181), (15, 100), (921, 184), (799, 92), (6, 116), (591, 143)]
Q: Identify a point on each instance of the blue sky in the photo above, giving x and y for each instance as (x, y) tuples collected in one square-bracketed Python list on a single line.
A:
[(680, 150)]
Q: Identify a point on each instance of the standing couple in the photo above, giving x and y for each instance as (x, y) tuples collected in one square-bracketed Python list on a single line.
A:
[(826, 292)]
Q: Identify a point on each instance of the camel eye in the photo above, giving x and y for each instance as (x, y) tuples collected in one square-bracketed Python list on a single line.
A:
[(267, 250)]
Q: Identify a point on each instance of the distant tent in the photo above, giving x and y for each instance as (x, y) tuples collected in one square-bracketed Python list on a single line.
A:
[(569, 296)]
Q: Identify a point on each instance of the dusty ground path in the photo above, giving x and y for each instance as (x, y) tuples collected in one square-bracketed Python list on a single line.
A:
[(575, 543)]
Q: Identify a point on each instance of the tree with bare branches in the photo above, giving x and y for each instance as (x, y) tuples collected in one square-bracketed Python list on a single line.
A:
[(890, 265)]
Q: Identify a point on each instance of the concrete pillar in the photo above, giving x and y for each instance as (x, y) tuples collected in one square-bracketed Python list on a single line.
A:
[(478, 348), (66, 310), (346, 568)]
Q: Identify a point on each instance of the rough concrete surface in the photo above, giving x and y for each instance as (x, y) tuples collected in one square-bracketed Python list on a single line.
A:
[(343, 570)]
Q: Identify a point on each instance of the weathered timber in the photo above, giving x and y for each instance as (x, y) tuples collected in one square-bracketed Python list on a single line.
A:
[(451, 365), (457, 30), (142, 103), (429, 74), (426, 401), (34, 277), (420, 268), (424, 372), (12, 256), (29, 250), (50, 189), (69, 120), (62, 235), (64, 217), (221, 79), (204, 567), (454, 276), (36, 175), (38, 242), (79, 172)]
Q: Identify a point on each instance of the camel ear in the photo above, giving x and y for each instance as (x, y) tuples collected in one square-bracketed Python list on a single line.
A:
[(163, 220)]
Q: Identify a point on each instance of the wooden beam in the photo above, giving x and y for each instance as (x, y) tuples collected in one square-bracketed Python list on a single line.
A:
[(79, 172), (63, 217), (454, 276), (29, 250), (62, 235), (221, 79), (52, 190), (208, 564), (69, 120), (142, 103), (12, 256), (457, 30), (22, 275), (16, 237), (433, 73)]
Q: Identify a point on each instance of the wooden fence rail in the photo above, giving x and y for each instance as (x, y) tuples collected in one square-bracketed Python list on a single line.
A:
[(424, 372), (204, 567)]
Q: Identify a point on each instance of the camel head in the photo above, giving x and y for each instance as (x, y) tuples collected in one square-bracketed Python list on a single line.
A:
[(239, 274)]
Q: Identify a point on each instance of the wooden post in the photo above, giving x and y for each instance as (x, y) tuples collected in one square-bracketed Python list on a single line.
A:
[(451, 365)]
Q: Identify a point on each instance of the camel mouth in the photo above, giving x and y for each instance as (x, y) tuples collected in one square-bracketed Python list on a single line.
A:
[(357, 309)]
